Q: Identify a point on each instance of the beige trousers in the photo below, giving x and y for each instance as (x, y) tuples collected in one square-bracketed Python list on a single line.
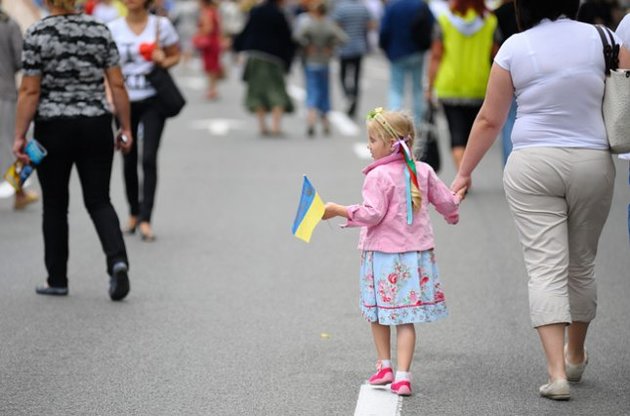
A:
[(560, 199)]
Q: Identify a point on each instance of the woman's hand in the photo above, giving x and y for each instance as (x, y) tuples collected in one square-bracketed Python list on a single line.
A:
[(460, 185), (124, 145), (158, 56), (18, 149)]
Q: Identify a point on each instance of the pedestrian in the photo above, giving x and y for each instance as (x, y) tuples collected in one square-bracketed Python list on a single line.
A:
[(318, 37), (209, 35), (506, 20), (10, 64), (136, 38), (623, 31), (400, 284), (461, 54), (405, 49), (66, 59), (268, 43), (560, 175), (354, 18)]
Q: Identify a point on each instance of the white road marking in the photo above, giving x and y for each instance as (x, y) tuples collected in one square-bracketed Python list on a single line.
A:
[(343, 123), (218, 126), (361, 150), (6, 190), (340, 121), (377, 401)]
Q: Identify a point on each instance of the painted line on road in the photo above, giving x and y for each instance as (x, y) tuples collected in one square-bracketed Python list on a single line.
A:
[(339, 120), (218, 126), (377, 401)]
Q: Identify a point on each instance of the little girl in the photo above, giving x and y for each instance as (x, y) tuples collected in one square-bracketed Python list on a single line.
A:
[(400, 284)]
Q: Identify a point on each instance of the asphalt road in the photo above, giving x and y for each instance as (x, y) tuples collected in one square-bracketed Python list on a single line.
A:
[(227, 309)]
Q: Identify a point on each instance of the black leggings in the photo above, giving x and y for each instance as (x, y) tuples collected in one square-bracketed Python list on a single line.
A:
[(88, 143), (350, 72), (144, 112), (460, 120)]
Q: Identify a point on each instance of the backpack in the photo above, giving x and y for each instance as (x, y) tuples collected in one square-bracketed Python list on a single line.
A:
[(422, 27)]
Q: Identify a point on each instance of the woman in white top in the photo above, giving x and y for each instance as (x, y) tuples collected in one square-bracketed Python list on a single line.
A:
[(559, 178), (135, 37)]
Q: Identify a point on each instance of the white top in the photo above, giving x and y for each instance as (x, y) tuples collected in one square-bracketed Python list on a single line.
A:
[(105, 13), (557, 69), (623, 31), (134, 66)]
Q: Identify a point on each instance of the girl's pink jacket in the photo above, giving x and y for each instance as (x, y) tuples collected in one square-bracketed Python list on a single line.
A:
[(383, 212)]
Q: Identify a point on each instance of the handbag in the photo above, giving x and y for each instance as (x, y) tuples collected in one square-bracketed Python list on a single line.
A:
[(201, 41), (426, 148), (169, 97), (616, 105)]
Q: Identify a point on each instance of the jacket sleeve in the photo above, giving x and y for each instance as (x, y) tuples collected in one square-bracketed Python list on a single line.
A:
[(444, 200), (376, 197), (384, 35)]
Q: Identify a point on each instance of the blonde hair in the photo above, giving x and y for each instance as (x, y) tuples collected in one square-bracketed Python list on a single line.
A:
[(68, 5), (389, 127)]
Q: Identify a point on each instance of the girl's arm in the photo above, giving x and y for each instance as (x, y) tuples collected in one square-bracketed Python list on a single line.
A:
[(445, 201), (487, 125), (376, 197)]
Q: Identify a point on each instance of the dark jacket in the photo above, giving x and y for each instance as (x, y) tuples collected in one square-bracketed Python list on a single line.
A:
[(268, 31), (396, 34), (506, 18)]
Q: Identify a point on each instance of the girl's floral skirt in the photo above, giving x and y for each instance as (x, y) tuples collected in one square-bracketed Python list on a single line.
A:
[(401, 288)]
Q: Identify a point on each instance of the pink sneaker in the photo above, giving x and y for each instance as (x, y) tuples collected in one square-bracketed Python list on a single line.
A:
[(382, 376), (401, 388)]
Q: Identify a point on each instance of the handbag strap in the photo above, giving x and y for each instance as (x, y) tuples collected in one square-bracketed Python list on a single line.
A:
[(157, 31), (611, 49)]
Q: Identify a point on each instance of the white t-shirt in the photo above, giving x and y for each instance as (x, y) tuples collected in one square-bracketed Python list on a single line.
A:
[(105, 13), (557, 69), (134, 66), (623, 31)]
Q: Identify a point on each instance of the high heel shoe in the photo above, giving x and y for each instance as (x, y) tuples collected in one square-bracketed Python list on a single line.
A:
[(132, 224), (146, 233)]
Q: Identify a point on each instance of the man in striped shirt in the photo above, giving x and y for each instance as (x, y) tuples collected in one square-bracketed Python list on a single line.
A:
[(354, 19)]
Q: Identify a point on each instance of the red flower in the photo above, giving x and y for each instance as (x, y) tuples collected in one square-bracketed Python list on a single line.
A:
[(392, 278), (425, 280)]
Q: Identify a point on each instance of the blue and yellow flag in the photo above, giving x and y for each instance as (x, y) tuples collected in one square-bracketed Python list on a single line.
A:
[(309, 212)]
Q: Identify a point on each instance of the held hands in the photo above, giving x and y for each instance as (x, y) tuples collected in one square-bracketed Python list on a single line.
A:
[(460, 185)]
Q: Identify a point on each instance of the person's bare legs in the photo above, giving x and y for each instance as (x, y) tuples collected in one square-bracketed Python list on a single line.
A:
[(458, 155), (576, 335), (212, 86), (552, 339), (262, 123), (406, 345), (311, 119), (276, 120), (382, 335)]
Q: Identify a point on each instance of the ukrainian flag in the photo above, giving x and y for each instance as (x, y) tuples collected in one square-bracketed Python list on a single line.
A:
[(310, 212)]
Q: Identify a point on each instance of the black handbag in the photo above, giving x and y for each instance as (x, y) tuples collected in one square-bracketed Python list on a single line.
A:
[(426, 148), (170, 98)]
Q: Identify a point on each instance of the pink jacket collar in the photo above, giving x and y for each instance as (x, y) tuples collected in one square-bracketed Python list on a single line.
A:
[(394, 157)]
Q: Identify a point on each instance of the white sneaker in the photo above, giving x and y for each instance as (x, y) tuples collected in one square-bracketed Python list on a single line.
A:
[(557, 390), (574, 371)]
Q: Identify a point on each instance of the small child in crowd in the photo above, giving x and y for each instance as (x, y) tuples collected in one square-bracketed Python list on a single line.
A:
[(318, 36), (400, 284)]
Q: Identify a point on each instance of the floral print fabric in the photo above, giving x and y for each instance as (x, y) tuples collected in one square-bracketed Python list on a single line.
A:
[(401, 288)]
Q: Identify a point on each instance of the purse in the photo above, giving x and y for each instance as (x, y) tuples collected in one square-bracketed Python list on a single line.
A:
[(616, 105), (201, 41), (169, 97), (426, 148)]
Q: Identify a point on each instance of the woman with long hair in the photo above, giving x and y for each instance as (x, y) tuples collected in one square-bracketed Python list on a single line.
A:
[(144, 40)]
